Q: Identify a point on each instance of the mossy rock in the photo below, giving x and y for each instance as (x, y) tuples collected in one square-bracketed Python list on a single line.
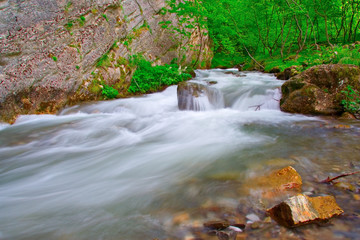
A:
[(318, 90)]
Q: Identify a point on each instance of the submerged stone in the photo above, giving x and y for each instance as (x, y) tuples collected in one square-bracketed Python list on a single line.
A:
[(301, 209), (345, 186), (277, 182)]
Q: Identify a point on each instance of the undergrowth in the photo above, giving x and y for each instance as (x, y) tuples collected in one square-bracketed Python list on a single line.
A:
[(312, 56), (148, 78), (109, 92), (351, 100)]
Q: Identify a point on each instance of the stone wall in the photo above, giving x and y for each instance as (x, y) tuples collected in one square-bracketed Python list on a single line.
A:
[(50, 49)]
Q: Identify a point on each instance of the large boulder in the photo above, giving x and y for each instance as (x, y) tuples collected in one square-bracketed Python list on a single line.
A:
[(318, 89), (301, 209)]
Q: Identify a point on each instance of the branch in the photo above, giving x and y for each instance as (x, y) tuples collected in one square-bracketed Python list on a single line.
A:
[(329, 180), (257, 107)]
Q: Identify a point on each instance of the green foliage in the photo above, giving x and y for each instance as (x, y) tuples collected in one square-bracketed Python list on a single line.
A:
[(68, 6), (77, 67), (54, 58), (81, 20), (109, 92), (69, 25), (105, 17), (222, 60), (257, 28), (148, 78), (104, 61), (310, 56), (351, 100), (114, 45)]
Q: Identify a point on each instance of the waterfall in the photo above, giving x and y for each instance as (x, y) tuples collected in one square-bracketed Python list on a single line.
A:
[(199, 97)]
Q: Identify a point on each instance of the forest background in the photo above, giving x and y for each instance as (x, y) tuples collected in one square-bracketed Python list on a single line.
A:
[(268, 34)]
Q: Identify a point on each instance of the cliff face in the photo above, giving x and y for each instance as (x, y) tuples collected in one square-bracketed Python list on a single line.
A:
[(59, 52)]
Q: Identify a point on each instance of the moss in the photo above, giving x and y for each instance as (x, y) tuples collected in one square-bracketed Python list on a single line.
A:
[(122, 61), (104, 61), (95, 87)]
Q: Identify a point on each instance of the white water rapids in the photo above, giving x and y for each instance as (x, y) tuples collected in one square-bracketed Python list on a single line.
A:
[(104, 170)]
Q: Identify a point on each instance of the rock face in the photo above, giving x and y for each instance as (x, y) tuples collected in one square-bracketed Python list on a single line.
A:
[(318, 89), (301, 209), (198, 97), (54, 53)]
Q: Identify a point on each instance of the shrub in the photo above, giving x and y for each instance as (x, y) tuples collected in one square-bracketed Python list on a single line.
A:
[(351, 100), (109, 92), (148, 78)]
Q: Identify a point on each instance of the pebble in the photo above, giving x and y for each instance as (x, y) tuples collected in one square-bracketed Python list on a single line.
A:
[(357, 197), (345, 186), (217, 225), (255, 225), (253, 218), (235, 229)]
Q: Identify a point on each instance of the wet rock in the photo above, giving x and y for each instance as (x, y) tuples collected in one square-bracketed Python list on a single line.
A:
[(318, 89), (345, 186), (181, 218), (347, 116), (216, 225), (356, 197), (255, 225), (287, 73), (301, 209), (223, 235), (253, 218), (212, 82), (198, 97), (236, 74), (239, 225), (275, 70), (280, 181)]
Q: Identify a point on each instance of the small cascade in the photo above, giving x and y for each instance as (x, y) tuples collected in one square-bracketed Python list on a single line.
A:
[(199, 97), (229, 89), (254, 100)]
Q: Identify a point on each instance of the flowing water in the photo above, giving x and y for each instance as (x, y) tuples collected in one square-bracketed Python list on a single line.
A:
[(122, 169)]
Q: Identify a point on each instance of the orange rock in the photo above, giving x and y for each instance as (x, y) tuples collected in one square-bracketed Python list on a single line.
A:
[(181, 218), (301, 209), (277, 182)]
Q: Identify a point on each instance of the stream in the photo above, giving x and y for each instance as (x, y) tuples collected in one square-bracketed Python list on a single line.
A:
[(122, 169)]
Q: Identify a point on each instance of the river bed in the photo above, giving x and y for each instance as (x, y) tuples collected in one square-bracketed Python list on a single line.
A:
[(140, 168)]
